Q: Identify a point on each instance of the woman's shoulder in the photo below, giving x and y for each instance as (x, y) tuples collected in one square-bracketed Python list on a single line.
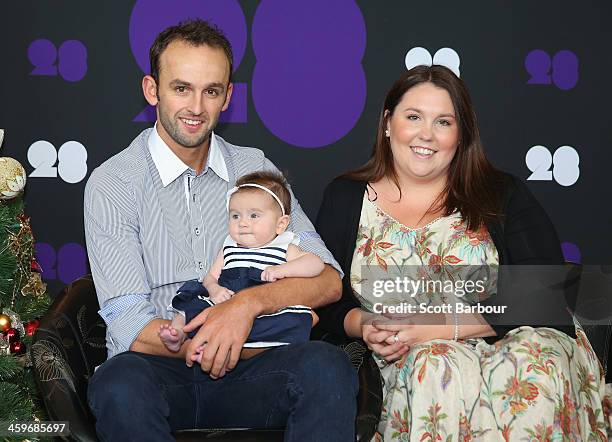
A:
[(342, 199), (516, 190), (344, 182), (346, 188)]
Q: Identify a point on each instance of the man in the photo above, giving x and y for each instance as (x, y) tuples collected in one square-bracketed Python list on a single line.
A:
[(155, 217)]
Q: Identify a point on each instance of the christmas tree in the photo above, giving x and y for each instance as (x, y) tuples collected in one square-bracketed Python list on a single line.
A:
[(23, 299)]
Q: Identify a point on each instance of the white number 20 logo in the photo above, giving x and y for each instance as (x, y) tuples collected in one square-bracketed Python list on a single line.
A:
[(71, 161), (564, 161)]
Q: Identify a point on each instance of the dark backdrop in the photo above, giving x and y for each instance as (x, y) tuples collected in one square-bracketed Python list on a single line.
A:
[(312, 77)]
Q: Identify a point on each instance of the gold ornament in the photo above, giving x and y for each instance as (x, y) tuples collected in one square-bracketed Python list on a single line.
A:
[(34, 286), (12, 178), (15, 321), (12, 175), (5, 323)]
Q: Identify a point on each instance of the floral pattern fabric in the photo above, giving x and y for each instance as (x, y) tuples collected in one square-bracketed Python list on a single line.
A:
[(536, 384)]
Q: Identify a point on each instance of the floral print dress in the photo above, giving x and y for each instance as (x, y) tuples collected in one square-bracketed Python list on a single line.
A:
[(537, 384)]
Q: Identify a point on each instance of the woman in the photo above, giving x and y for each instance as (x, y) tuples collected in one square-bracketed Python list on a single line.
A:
[(428, 201)]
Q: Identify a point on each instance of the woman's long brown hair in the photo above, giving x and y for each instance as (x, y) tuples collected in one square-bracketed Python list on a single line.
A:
[(474, 187)]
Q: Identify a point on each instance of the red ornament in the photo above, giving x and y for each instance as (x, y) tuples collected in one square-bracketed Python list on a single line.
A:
[(35, 266), (12, 335), (30, 327), (17, 348)]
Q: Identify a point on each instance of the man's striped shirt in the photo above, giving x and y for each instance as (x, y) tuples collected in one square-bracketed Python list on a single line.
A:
[(151, 224)]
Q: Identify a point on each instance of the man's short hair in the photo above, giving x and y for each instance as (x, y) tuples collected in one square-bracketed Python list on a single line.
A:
[(195, 32), (273, 181)]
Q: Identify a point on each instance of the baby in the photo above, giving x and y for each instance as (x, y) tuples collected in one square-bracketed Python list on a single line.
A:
[(258, 249)]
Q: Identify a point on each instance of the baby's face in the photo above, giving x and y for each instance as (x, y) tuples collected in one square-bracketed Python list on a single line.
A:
[(254, 218)]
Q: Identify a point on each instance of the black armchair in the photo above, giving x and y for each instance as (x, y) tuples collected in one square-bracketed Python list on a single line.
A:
[(70, 343)]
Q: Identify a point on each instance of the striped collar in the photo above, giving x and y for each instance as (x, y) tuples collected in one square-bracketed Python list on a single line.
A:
[(170, 167)]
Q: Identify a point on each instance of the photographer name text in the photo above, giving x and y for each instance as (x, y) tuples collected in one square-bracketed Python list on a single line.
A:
[(409, 308)]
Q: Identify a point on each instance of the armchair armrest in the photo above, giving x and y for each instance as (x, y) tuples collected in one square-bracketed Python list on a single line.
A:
[(369, 398), (65, 350)]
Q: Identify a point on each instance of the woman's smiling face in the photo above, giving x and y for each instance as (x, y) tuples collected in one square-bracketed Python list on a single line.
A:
[(423, 133)]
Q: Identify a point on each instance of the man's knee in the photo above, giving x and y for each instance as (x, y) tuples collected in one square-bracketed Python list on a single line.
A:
[(121, 383)]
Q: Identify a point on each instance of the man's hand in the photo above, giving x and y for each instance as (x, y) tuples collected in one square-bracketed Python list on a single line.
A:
[(225, 328)]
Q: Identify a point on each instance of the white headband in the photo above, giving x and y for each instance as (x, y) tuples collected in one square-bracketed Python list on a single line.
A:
[(233, 190)]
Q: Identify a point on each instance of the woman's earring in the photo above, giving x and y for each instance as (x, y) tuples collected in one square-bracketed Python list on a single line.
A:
[(387, 133)]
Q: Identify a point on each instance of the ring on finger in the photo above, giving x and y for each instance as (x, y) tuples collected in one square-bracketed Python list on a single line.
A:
[(396, 338)]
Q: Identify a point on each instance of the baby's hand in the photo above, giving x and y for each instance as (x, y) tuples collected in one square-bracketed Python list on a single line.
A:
[(272, 273), (220, 294)]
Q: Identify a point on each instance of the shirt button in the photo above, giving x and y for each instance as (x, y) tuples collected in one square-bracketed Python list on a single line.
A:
[(200, 265), (197, 230)]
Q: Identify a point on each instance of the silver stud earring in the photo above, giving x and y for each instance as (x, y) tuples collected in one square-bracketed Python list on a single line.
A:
[(387, 133)]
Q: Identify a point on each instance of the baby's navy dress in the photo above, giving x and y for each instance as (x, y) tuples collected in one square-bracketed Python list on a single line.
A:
[(242, 268)]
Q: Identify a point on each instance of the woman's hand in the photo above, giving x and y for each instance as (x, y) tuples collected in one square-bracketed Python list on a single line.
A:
[(403, 332), (382, 343), (375, 338), (412, 334), (361, 324)]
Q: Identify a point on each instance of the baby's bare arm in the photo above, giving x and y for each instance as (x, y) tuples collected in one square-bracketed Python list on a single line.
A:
[(212, 278), (211, 282), (299, 264)]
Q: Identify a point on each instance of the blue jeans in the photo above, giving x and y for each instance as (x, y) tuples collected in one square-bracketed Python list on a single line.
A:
[(310, 389)]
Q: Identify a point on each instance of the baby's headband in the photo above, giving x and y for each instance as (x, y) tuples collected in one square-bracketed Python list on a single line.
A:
[(233, 190)]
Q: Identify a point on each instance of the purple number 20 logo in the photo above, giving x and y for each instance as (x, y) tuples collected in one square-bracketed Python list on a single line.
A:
[(571, 252), (70, 61), (67, 264), (308, 85), (564, 66)]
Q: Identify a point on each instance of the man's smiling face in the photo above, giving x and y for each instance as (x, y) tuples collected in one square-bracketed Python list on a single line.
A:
[(193, 89)]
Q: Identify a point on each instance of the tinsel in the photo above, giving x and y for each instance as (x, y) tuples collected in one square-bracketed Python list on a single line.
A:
[(23, 298)]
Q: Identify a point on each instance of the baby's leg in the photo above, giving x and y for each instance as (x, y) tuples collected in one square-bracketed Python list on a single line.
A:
[(315, 318), (172, 334), (248, 353)]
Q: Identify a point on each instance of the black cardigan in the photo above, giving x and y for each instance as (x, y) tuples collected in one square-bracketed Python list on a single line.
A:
[(526, 236)]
